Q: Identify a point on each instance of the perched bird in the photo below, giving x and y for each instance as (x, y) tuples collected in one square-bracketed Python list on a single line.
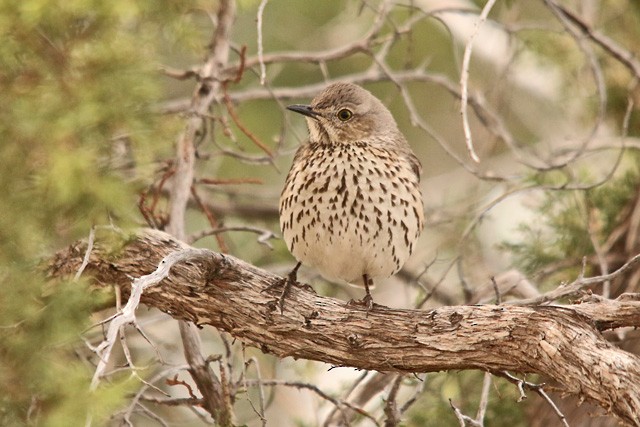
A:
[(351, 206)]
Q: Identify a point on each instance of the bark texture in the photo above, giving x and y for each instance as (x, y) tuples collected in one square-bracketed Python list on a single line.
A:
[(560, 342)]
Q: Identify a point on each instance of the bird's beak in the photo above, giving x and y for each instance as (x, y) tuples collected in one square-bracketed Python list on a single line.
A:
[(305, 110)]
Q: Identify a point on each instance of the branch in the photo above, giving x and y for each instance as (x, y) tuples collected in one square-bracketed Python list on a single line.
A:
[(464, 80), (212, 389), (622, 55), (560, 342)]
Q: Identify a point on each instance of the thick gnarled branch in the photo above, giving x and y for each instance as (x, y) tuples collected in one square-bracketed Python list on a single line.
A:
[(560, 342)]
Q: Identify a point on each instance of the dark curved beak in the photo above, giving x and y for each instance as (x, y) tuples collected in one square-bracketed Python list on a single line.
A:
[(305, 110)]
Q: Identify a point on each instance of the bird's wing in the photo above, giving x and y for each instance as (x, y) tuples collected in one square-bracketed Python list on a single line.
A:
[(416, 166), (300, 152)]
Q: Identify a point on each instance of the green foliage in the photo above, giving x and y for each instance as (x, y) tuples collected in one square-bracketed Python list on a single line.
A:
[(76, 78), (41, 378), (567, 218)]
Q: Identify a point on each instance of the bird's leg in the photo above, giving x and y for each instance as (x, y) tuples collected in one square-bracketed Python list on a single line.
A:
[(368, 299), (292, 278)]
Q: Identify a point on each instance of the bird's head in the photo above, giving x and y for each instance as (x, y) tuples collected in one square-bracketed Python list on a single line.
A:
[(345, 113)]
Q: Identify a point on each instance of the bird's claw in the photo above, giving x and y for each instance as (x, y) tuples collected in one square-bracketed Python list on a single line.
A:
[(286, 284)]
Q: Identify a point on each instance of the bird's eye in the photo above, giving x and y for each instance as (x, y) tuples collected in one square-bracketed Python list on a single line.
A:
[(345, 114)]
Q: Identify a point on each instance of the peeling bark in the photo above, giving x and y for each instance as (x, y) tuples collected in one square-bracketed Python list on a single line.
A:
[(559, 342)]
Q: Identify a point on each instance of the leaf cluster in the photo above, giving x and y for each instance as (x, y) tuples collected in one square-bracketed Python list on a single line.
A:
[(77, 80)]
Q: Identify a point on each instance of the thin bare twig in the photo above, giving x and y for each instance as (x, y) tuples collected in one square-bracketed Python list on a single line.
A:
[(311, 387), (85, 260), (332, 418), (236, 119), (577, 285), (263, 238), (263, 68), (463, 419), (538, 388), (484, 398), (213, 221), (126, 413), (624, 56), (228, 181), (260, 412), (464, 79), (391, 407), (598, 77), (127, 314), (593, 230), (172, 401)]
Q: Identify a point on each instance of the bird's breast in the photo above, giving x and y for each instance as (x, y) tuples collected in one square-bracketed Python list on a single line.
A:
[(350, 210)]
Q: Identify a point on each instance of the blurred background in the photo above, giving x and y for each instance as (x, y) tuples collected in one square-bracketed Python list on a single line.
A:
[(96, 95)]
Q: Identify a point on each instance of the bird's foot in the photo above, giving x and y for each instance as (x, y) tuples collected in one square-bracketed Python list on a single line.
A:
[(286, 284), (366, 302)]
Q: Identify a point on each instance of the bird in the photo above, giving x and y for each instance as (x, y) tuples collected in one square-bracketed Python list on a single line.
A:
[(351, 206)]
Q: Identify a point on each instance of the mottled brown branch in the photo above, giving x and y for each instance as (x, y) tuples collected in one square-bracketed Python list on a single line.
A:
[(560, 342)]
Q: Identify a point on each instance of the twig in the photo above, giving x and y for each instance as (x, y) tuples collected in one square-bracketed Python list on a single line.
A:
[(332, 417), (147, 384), (576, 285), (241, 66), (261, 400), (621, 54), (263, 238), (418, 392), (228, 181), (464, 79), (149, 214), (173, 401), (331, 54), (462, 418), (484, 398), (391, 407), (538, 388), (225, 380), (178, 74), (443, 276), (593, 232), (127, 314), (496, 290), (263, 70), (316, 390), (151, 415), (234, 116), (213, 222), (555, 408), (597, 76), (87, 254), (175, 381)]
